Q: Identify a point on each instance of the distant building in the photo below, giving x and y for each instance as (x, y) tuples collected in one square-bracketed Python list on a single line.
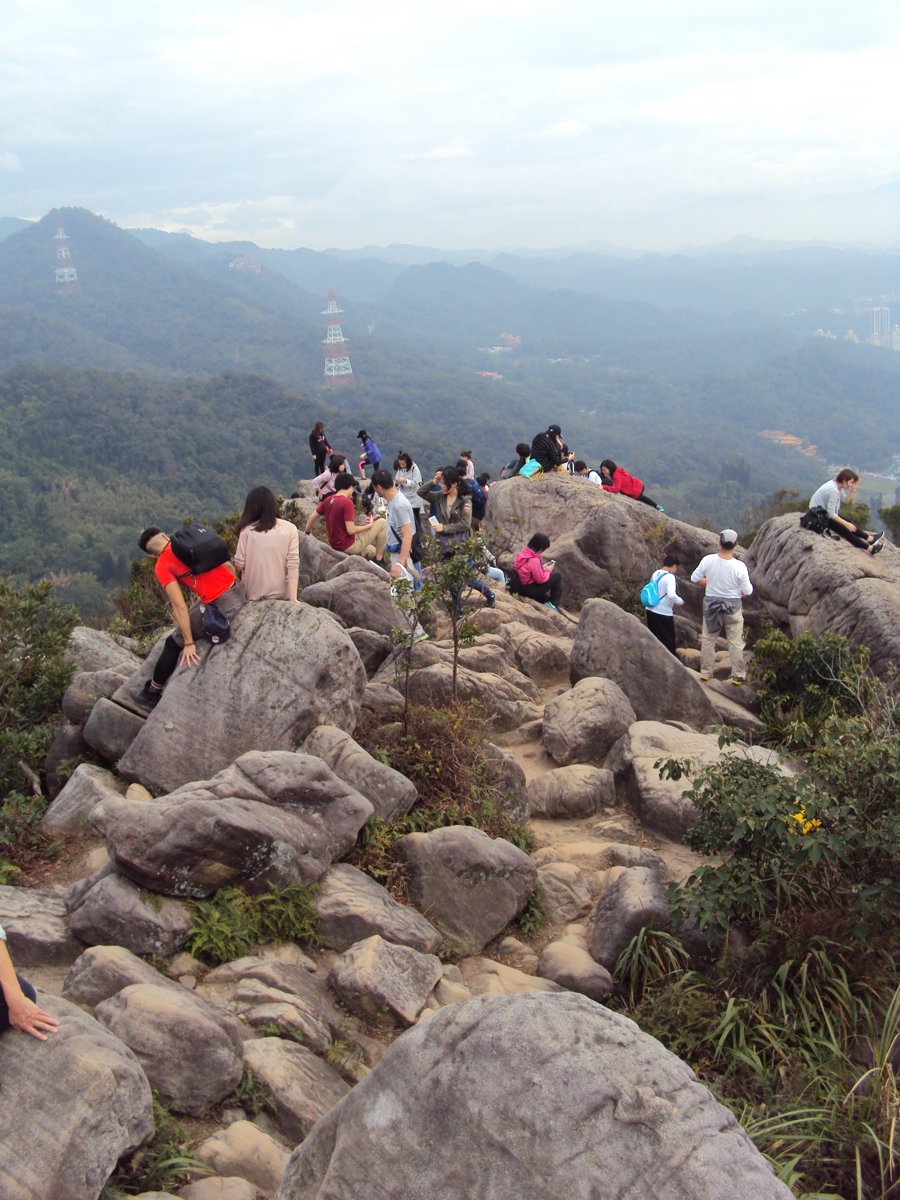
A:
[(246, 262)]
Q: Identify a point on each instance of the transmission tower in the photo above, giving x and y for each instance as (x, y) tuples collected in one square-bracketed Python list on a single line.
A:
[(337, 360), (66, 275)]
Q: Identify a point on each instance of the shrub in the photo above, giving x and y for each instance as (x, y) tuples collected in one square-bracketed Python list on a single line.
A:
[(227, 925), (160, 1164)]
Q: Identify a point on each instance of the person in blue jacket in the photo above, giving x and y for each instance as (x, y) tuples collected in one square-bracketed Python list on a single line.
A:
[(370, 455)]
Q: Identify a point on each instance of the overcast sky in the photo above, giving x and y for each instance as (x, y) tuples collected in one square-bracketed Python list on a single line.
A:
[(477, 123)]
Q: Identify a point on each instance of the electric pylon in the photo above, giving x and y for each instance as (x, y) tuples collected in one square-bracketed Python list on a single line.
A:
[(337, 360), (66, 274)]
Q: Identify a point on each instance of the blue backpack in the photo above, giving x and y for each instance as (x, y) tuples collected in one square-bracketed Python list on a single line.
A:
[(650, 595)]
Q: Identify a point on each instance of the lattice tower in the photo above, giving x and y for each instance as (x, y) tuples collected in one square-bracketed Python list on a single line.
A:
[(66, 274), (337, 360)]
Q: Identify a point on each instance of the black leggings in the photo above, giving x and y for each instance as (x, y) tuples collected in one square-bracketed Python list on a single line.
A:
[(852, 535), (645, 499), (551, 590)]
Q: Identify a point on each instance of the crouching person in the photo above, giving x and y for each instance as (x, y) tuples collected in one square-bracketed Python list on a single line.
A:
[(218, 586)]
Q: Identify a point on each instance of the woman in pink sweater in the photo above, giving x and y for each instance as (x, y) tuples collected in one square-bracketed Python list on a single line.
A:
[(538, 580), (268, 549)]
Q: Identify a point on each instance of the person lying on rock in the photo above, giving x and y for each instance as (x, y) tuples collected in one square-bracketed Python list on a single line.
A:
[(661, 618), (218, 586), (339, 514), (726, 581), (18, 1009), (617, 479), (829, 497), (538, 578), (583, 471)]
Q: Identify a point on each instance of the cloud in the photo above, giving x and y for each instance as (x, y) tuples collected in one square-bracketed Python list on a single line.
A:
[(11, 163)]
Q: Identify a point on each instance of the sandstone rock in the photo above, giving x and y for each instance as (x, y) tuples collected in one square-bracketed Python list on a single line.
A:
[(614, 644), (245, 1150), (574, 969), (271, 818), (36, 926), (103, 971), (373, 648), (471, 885), (190, 1051), (662, 804), (384, 982), (352, 906), (67, 748), (217, 1188), (70, 1107), (390, 793), (583, 723), (110, 729), (86, 787), (316, 558), (94, 650), (115, 912), (286, 669), (485, 977), (511, 782), (505, 706), (576, 791), (567, 895), (536, 1096), (634, 901), (539, 655), (303, 1087), (88, 687), (363, 601), (381, 698), (820, 585)]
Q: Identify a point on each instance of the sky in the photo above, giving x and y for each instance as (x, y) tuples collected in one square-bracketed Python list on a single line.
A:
[(651, 124)]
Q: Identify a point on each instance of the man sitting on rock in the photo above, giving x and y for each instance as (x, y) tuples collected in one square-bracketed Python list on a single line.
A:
[(339, 514), (726, 581), (219, 586), (829, 497)]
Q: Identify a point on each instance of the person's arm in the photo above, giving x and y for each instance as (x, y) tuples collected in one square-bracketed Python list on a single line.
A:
[(292, 563), (746, 585), (189, 656), (671, 590), (401, 559), (313, 517), (24, 1014), (240, 554), (699, 574)]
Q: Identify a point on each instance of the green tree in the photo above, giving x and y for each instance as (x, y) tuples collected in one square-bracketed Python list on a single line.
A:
[(891, 518)]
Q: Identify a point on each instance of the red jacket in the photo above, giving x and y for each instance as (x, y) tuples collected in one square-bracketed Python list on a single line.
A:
[(628, 485)]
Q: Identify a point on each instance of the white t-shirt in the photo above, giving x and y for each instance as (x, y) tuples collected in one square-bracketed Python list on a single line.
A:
[(399, 513), (668, 595), (726, 578)]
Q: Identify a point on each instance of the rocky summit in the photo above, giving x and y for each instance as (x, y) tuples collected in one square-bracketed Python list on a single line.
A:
[(428, 1036)]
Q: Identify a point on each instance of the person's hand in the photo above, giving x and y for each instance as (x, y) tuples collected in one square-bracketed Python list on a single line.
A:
[(189, 656), (396, 571), (28, 1017), (437, 527)]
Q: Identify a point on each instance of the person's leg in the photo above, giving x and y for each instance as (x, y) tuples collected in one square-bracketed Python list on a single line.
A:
[(556, 587), (663, 629), (480, 586), (375, 536), (853, 536), (645, 499), (707, 651), (496, 574), (733, 624), (536, 591), (172, 647)]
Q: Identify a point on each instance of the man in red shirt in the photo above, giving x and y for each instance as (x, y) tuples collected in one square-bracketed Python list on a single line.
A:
[(339, 514), (180, 647)]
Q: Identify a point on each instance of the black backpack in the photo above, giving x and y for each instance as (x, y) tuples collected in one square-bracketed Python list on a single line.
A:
[(199, 548), (815, 520)]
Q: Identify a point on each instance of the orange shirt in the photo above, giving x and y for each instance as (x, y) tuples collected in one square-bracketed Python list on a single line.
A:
[(207, 586)]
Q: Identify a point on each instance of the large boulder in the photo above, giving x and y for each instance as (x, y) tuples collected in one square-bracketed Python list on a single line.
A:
[(88, 686), (471, 885), (383, 982), (505, 706), (360, 598), (94, 650), (615, 645), (352, 906), (636, 899), (286, 669), (110, 729), (37, 927), (114, 911), (70, 1107), (191, 1052), (583, 723), (537, 1096), (303, 1087), (822, 585), (271, 818), (390, 793), (103, 971), (576, 791), (86, 787)]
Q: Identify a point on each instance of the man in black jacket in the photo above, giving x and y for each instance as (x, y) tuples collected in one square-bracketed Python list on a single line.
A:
[(547, 448)]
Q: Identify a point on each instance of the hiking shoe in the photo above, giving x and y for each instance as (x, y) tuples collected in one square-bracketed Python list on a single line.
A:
[(877, 537), (738, 682), (148, 697), (659, 508), (549, 604), (875, 548), (379, 562), (490, 601)]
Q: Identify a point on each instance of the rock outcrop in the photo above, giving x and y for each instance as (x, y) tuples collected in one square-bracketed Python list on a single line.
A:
[(536, 1095), (822, 585), (286, 669)]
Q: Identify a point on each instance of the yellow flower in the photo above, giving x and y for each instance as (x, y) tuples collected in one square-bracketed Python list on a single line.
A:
[(800, 818)]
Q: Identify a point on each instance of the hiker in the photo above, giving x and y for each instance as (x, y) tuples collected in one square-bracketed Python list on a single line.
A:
[(538, 578), (583, 471), (408, 479), (339, 514), (827, 499), (318, 446), (401, 536), (726, 581), (660, 617), (568, 460), (547, 449), (18, 1009), (515, 465), (218, 586), (466, 458), (616, 479), (478, 494), (268, 549), (452, 523), (370, 455), (324, 482)]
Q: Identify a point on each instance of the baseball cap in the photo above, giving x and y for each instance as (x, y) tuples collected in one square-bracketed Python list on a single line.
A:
[(728, 536)]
